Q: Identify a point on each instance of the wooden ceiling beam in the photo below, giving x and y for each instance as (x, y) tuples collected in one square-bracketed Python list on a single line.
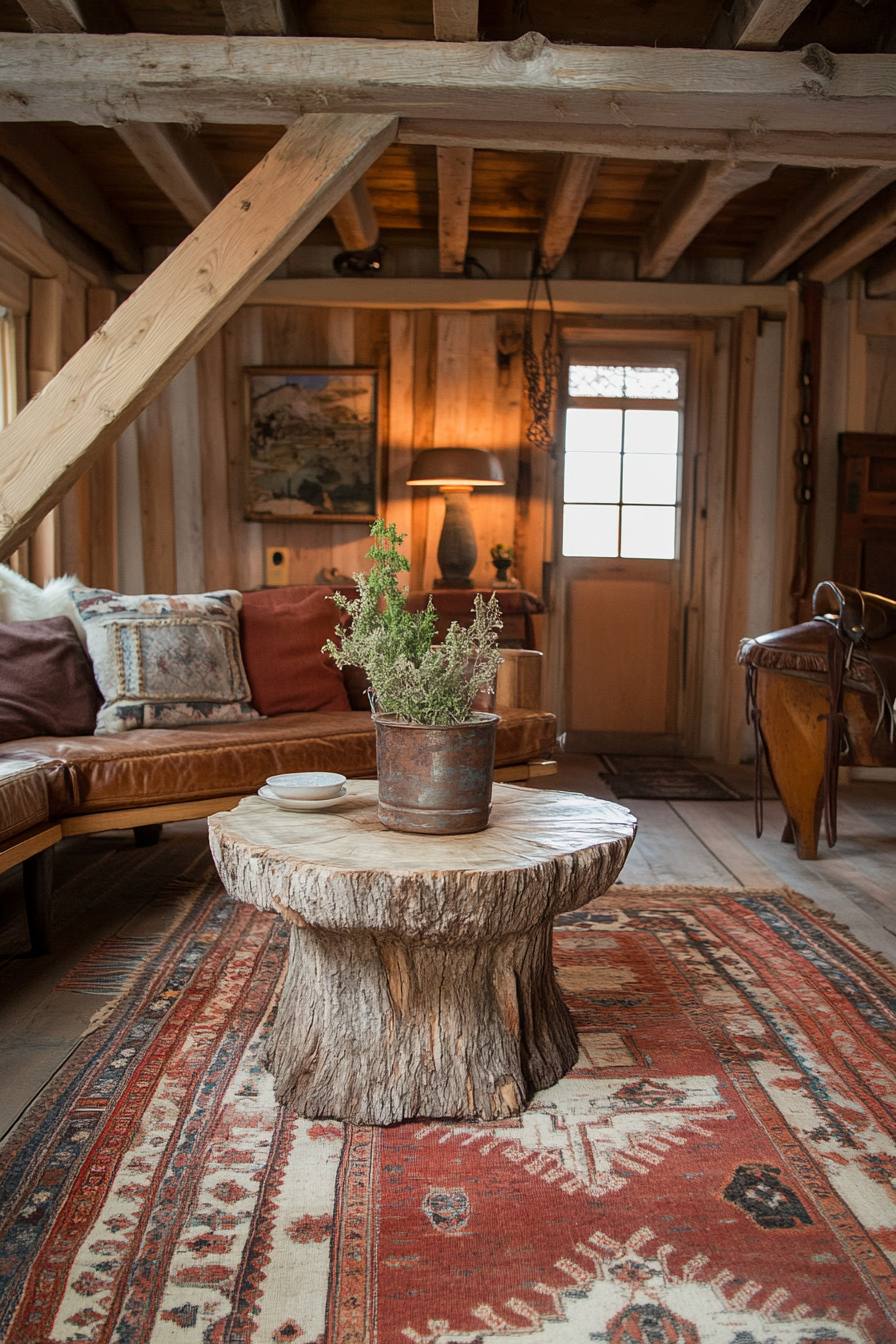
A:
[(856, 239), (569, 195), (754, 25), (179, 164), (455, 173), (812, 215), (44, 160), (76, 16), (653, 142), (355, 219), (132, 357), (146, 77), (260, 18), (455, 20), (698, 195)]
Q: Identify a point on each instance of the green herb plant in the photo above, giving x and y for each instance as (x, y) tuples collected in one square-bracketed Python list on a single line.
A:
[(409, 676)]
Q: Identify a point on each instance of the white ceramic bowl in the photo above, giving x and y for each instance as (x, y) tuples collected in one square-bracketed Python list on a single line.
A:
[(312, 784)]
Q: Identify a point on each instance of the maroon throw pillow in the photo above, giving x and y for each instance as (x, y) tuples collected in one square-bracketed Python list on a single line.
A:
[(282, 631), (47, 686)]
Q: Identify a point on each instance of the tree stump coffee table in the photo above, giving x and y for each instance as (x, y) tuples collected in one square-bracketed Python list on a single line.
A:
[(420, 980)]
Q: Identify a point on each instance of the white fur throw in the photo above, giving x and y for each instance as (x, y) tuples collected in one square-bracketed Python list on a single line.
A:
[(21, 600)]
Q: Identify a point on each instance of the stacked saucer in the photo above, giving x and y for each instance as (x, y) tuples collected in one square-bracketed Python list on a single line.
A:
[(308, 792)]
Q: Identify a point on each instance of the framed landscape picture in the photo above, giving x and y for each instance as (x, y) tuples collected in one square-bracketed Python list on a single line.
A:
[(311, 445)]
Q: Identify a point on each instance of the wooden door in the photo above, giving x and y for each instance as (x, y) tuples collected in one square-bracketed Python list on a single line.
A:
[(865, 553), (619, 516)]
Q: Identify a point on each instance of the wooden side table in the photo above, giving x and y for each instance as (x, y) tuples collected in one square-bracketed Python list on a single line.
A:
[(420, 980)]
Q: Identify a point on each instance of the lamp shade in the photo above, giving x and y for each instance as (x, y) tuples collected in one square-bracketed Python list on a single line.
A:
[(456, 466)]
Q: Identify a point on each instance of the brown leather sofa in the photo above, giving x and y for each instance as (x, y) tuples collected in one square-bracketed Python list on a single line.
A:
[(50, 788)]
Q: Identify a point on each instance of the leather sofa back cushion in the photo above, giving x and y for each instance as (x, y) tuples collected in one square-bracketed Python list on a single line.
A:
[(47, 686), (282, 631)]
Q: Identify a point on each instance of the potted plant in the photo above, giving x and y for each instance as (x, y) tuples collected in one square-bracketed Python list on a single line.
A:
[(435, 755)]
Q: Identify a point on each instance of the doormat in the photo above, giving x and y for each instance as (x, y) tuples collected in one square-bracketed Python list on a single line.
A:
[(719, 1167), (666, 777)]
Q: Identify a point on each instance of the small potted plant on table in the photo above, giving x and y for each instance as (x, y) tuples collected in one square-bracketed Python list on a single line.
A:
[(435, 756)]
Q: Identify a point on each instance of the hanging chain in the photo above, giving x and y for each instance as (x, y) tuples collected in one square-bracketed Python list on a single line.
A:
[(541, 370), (805, 493)]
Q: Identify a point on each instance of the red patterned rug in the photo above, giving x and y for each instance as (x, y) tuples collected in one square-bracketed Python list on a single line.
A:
[(718, 1169)]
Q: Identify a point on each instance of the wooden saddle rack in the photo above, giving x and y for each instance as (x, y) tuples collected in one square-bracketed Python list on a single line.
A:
[(821, 695)]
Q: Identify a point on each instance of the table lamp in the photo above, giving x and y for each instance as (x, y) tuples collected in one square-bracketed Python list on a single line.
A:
[(457, 472)]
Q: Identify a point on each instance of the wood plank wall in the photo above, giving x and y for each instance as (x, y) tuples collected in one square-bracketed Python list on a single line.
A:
[(440, 385)]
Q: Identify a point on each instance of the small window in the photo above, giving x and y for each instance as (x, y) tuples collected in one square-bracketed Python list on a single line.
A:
[(621, 462)]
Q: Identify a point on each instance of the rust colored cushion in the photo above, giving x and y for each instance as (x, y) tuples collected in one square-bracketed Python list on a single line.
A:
[(47, 686), (282, 631)]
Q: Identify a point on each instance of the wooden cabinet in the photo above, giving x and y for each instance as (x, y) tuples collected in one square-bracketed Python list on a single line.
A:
[(865, 554)]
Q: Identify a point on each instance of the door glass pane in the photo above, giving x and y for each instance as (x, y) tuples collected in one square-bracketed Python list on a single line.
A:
[(647, 533), (634, 382), (590, 529), (597, 431), (651, 432), (593, 478), (649, 478)]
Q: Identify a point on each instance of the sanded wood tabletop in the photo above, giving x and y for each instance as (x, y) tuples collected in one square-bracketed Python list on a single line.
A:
[(420, 979)]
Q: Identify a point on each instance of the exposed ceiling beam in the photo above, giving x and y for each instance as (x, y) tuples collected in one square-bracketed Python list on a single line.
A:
[(859, 237), (181, 167), (44, 160), (259, 18), (455, 170), (111, 378), (76, 16), (179, 164), (699, 194), (810, 216), (103, 80), (755, 25), (880, 278), (355, 219), (354, 216), (569, 195), (455, 20), (653, 142)]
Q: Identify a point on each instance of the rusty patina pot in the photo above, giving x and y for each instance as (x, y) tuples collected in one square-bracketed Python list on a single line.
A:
[(435, 780)]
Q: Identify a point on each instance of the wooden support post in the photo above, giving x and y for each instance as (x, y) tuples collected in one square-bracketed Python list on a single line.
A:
[(699, 194), (177, 308), (572, 187), (455, 169)]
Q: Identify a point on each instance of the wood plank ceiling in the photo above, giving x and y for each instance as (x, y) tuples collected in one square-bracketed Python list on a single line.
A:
[(144, 185)]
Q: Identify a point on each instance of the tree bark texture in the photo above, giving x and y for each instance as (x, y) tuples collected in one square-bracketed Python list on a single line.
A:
[(420, 980)]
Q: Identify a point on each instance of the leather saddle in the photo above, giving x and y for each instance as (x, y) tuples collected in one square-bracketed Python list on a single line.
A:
[(850, 641)]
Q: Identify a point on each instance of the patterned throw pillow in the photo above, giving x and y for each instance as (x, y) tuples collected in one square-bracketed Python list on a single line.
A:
[(165, 662)]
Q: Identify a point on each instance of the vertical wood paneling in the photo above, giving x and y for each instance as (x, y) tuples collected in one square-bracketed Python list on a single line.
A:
[(401, 420), (217, 534), (101, 478), (131, 577), (424, 423), (74, 509), (243, 346), (44, 360), (157, 496), (186, 465)]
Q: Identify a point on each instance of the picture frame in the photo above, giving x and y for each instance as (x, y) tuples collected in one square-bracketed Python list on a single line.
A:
[(311, 444)]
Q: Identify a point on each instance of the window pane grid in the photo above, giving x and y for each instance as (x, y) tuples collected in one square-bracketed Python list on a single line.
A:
[(621, 476)]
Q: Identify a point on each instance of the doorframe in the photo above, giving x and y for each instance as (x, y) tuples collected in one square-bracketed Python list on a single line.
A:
[(698, 340)]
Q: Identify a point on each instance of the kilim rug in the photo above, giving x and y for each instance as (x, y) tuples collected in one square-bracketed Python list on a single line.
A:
[(666, 777), (719, 1167)]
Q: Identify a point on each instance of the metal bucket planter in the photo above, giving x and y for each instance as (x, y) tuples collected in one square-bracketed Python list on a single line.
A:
[(435, 780)]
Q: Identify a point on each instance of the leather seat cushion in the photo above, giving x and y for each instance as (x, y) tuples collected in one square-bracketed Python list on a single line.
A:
[(24, 799), (164, 765)]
